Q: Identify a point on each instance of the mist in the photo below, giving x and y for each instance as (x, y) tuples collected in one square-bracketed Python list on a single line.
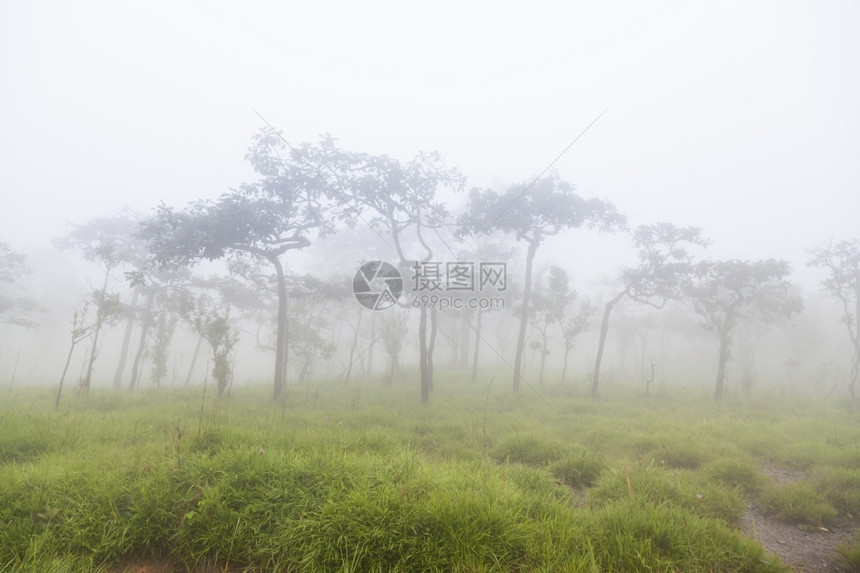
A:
[(588, 202)]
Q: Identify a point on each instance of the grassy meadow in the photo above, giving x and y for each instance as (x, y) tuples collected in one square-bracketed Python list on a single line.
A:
[(365, 478)]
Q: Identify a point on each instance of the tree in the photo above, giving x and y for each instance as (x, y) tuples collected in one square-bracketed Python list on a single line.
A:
[(108, 310), (571, 327), (266, 219), (842, 262), (80, 331), (14, 308), (664, 273), (108, 255), (126, 250), (401, 200), (211, 320), (726, 292), (533, 212), (548, 308), (392, 332)]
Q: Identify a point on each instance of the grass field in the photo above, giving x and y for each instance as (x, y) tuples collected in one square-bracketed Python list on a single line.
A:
[(365, 478)]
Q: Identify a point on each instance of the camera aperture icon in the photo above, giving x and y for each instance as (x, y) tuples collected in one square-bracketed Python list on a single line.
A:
[(377, 285)]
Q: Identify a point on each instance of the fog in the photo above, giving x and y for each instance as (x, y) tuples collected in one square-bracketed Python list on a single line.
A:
[(737, 118)]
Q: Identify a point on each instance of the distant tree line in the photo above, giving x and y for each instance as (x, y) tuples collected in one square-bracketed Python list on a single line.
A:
[(315, 192)]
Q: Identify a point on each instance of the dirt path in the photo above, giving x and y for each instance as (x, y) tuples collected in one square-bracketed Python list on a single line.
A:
[(805, 549)]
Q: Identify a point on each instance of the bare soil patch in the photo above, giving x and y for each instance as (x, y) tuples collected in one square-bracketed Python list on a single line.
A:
[(806, 549)]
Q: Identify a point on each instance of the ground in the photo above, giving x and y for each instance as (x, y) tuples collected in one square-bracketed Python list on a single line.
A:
[(806, 549)]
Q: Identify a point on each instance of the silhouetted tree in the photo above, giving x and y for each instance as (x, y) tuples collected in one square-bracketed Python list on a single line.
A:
[(280, 212), (726, 292), (664, 273), (399, 199), (550, 301), (129, 251), (571, 328), (14, 307), (842, 262), (532, 212)]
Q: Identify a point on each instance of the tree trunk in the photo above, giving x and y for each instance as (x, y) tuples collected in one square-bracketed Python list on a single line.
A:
[(373, 336), (721, 369), (601, 343), (855, 338), (477, 344), (855, 374), (422, 357), (141, 346), (282, 330), (543, 355), (521, 336), (138, 357), (354, 346), (194, 359), (431, 345), (63, 377), (85, 384), (564, 363), (126, 340)]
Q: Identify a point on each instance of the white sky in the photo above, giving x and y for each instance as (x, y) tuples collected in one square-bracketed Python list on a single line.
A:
[(740, 117)]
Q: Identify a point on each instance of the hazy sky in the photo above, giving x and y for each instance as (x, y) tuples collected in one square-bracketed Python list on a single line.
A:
[(739, 117)]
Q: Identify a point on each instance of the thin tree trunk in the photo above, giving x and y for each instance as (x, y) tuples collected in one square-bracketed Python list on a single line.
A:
[(431, 345), (126, 340), (85, 385), (63, 377), (194, 359), (477, 344), (721, 369), (543, 354), (564, 363), (281, 338), (138, 357), (354, 345), (855, 338), (521, 336), (650, 380), (373, 335), (422, 358), (141, 346), (604, 329)]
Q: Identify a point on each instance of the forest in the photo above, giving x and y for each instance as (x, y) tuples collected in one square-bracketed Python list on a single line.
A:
[(356, 362)]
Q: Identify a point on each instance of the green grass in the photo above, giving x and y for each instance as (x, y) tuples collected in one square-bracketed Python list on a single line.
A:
[(470, 482), (799, 502), (851, 554)]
